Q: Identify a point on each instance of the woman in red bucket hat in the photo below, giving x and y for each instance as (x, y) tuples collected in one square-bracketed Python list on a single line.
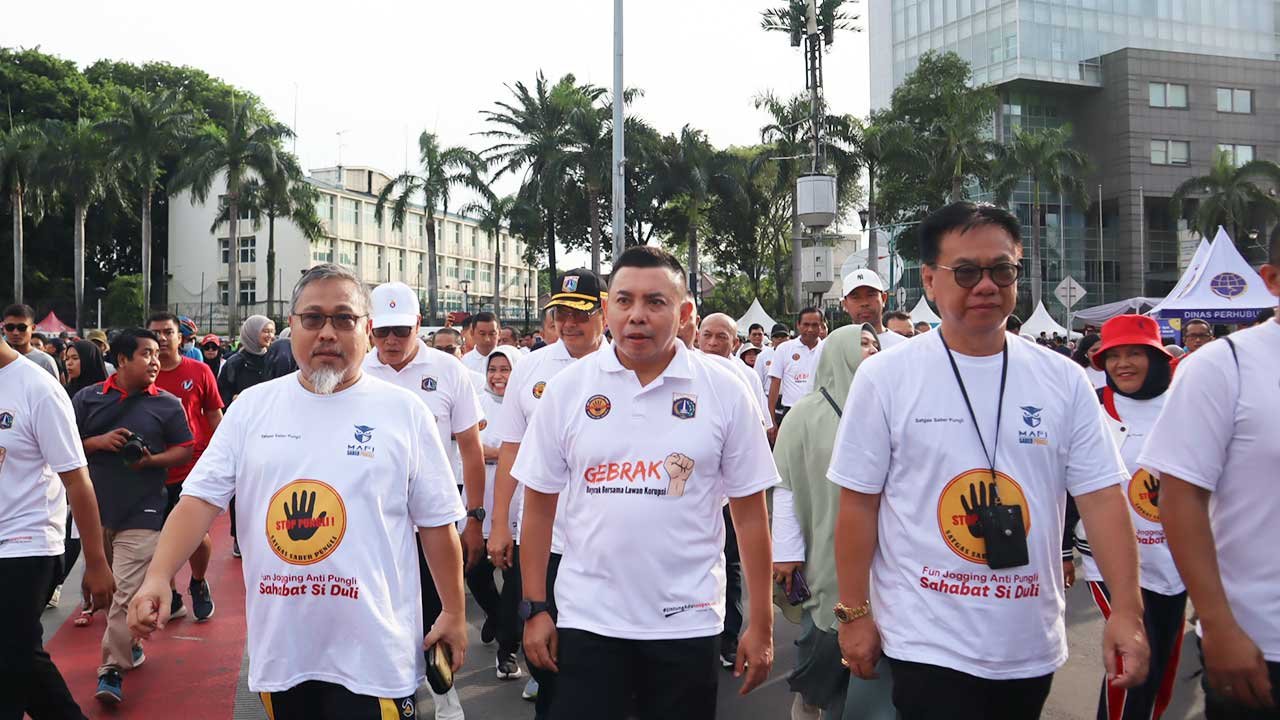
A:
[(1138, 375)]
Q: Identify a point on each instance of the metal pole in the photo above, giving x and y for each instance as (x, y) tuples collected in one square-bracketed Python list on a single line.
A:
[(1142, 243), (1102, 267), (619, 152)]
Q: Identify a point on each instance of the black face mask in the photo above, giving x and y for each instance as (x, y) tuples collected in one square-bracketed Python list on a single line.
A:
[(1159, 375)]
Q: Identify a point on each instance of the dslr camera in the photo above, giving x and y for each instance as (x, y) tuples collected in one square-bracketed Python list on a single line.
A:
[(135, 448)]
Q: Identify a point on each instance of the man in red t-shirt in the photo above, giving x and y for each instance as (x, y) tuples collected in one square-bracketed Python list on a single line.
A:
[(194, 384)]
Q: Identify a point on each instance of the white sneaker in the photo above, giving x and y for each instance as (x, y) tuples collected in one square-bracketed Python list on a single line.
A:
[(448, 706), (800, 710)]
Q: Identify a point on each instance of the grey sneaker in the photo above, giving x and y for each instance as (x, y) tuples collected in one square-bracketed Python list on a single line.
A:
[(508, 668)]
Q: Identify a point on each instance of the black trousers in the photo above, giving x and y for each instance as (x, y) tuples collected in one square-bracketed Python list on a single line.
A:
[(1164, 617), (548, 682), (1217, 707), (316, 700), (733, 586), (931, 692), (607, 678), (510, 626), (29, 681), (483, 587)]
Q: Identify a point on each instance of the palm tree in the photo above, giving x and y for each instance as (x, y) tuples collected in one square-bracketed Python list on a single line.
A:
[(145, 130), (878, 140), (693, 169), (441, 170), (590, 136), (1229, 192), (20, 149), (1046, 159), (792, 19), (80, 172), (250, 143), (494, 214), (961, 149), (789, 146)]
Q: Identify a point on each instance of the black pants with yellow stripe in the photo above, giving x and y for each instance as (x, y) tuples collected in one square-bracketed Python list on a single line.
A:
[(315, 700)]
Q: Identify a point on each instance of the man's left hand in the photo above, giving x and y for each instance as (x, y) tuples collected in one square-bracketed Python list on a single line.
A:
[(755, 657), (473, 549), (1125, 652), (146, 461)]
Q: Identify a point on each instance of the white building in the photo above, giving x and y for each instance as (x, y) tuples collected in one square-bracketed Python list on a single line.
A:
[(197, 269)]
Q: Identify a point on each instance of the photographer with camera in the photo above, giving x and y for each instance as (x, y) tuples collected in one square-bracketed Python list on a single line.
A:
[(132, 432)]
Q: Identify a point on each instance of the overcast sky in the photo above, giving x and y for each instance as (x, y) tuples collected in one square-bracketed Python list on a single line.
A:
[(381, 72)]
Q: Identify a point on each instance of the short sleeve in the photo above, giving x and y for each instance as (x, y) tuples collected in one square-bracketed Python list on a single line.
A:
[(746, 463), (510, 424), (433, 492), (466, 411), (56, 434), (211, 398), (78, 410), (779, 366), (1195, 427), (541, 463), (860, 456), (1093, 460), (213, 479), (176, 429)]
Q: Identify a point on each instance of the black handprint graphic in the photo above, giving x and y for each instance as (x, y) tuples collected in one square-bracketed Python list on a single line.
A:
[(300, 525), (1152, 486), (979, 497)]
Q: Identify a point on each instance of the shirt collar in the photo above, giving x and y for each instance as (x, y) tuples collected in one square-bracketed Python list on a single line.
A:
[(110, 384), (681, 366)]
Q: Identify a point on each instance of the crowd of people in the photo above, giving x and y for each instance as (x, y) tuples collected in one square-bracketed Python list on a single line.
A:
[(612, 488)]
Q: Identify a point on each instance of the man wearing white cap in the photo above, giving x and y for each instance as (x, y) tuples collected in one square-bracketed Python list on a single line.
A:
[(444, 384), (864, 300)]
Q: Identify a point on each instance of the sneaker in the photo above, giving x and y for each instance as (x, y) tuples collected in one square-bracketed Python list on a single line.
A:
[(488, 631), (530, 691), (801, 710), (176, 608), (139, 657), (448, 706), (728, 653), (235, 547), (201, 600), (508, 668), (55, 597), (110, 688)]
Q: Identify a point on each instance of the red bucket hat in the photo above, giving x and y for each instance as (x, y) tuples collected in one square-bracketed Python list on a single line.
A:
[(1128, 330)]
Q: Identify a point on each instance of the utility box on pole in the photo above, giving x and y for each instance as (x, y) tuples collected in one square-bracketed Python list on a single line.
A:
[(816, 272)]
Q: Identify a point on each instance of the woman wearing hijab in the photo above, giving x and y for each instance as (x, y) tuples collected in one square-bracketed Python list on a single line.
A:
[(1138, 375), (211, 353), (247, 367), (804, 522)]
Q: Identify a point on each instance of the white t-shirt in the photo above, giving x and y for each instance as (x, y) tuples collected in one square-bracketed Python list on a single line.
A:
[(1159, 574), (365, 468), (524, 391), (889, 338), (748, 377), (445, 385), (475, 361), (794, 363), (644, 550), (1218, 432), (907, 433), (38, 440), (492, 407)]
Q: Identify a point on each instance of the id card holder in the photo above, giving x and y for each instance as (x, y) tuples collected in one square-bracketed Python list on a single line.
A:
[(1005, 535)]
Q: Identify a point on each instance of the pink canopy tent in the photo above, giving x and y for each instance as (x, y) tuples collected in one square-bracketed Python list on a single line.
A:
[(51, 325)]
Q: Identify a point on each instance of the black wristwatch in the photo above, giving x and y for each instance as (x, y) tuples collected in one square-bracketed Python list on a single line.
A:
[(477, 513), (529, 608)]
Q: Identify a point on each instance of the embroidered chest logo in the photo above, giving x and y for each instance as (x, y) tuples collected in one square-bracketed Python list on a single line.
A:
[(598, 406), (684, 407), (429, 384), (538, 387), (187, 384), (6, 420), (1031, 418), (796, 356), (363, 436)]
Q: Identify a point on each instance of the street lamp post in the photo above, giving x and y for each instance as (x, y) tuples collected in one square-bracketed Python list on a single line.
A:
[(100, 291), (526, 301), (465, 283)]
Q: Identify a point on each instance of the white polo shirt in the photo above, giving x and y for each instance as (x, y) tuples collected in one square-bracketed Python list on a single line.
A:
[(749, 378), (1217, 431), (642, 473), (794, 363), (907, 434), (763, 362), (475, 361), (889, 338), (444, 384), (330, 490), (38, 440)]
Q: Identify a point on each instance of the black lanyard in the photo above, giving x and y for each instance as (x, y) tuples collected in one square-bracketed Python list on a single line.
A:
[(1004, 373)]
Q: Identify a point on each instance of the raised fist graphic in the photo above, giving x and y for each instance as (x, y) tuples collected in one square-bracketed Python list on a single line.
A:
[(679, 468)]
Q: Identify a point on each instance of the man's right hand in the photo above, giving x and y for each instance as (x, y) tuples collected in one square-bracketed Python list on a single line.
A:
[(784, 571), (860, 646), (108, 442), (149, 609), (501, 546), (1237, 670), (542, 642)]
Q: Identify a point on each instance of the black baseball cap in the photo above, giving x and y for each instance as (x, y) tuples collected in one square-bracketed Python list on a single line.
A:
[(780, 330), (579, 289)]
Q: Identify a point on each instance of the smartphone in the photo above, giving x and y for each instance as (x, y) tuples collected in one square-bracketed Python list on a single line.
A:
[(799, 592), (439, 669)]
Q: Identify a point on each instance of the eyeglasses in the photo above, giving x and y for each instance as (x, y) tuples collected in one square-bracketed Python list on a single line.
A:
[(342, 322), (577, 316), (400, 331), (968, 276), (1197, 336), (449, 349), (16, 327)]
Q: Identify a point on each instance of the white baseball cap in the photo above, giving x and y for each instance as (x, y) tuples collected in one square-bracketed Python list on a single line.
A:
[(394, 305), (860, 278)]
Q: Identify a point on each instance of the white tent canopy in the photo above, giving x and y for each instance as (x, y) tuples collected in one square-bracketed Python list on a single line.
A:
[(923, 313), (1101, 313), (755, 314), (1042, 322), (1222, 288)]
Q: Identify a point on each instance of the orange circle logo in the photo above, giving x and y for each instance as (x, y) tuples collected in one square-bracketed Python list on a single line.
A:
[(1144, 495), (598, 406), (306, 521), (958, 507), (538, 387)]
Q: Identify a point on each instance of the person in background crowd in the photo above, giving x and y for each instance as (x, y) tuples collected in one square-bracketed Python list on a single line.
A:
[(1214, 449), (211, 353), (467, 331), (510, 337), (926, 524), (1137, 372), (550, 328), (778, 335), (922, 327), (870, 343), (44, 468), (37, 342), (900, 323), (1263, 316), (189, 334), (99, 338), (484, 336), (1014, 325), (864, 301), (129, 408), (750, 354), (55, 347), (246, 368), (279, 358), (527, 341), (793, 364), (447, 341), (1083, 356), (755, 336), (19, 328), (1196, 333), (804, 521), (1175, 351)]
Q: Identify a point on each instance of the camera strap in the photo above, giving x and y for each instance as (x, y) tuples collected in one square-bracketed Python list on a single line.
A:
[(1004, 374)]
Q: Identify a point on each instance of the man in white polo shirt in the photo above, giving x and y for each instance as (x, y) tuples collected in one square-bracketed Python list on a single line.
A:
[(484, 333), (333, 471), (955, 454), (578, 310), (793, 364), (644, 440), (864, 300), (1214, 447), (764, 360), (444, 384)]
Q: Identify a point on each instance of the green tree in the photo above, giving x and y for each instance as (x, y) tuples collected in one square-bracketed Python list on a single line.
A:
[(745, 216), (20, 150), (1227, 195), (123, 303), (792, 19), (145, 130), (878, 141), (1045, 158), (440, 170), (245, 147), (693, 168), (493, 214)]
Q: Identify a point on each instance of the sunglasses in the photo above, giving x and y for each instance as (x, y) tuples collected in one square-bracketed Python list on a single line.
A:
[(342, 322), (16, 327), (968, 276), (577, 316), (449, 349), (400, 331)]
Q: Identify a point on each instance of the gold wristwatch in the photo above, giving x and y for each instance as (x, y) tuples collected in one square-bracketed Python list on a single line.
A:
[(846, 614)]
